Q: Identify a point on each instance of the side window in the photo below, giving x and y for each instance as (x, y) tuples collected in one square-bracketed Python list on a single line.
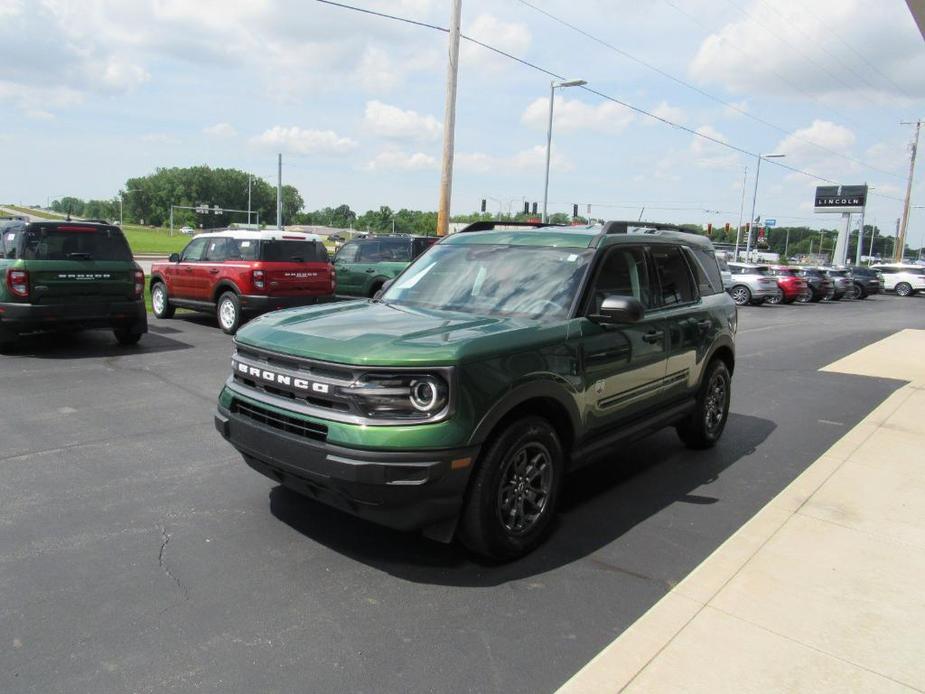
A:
[(217, 249), (242, 249), (887, 270), (8, 242), (624, 271), (369, 252), (706, 270), (193, 251), (395, 250), (421, 245), (675, 284), (347, 253)]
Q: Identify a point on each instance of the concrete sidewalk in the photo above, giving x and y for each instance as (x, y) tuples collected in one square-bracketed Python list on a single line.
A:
[(824, 589)]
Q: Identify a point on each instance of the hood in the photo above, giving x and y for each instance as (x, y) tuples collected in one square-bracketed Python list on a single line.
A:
[(368, 333)]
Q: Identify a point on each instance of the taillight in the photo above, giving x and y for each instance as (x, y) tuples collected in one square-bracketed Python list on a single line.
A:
[(18, 282), (259, 281), (139, 284)]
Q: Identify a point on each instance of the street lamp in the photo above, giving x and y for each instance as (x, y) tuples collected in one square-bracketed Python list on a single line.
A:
[(748, 243), (552, 97)]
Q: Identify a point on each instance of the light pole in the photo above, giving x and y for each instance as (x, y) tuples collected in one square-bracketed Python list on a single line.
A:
[(741, 212), (748, 242), (552, 97)]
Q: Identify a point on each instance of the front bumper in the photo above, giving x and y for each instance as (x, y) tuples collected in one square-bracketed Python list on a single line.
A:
[(405, 490), (23, 318), (258, 303)]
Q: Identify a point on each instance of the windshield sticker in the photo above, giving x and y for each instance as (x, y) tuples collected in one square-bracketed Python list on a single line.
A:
[(245, 244), (572, 257)]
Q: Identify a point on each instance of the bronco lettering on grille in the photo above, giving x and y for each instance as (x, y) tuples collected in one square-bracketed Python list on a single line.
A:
[(280, 379)]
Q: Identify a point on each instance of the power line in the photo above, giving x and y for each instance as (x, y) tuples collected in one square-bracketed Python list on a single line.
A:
[(700, 91), (608, 97)]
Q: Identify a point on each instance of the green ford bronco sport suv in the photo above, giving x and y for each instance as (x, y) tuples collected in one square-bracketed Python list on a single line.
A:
[(457, 400), (363, 266), (69, 276)]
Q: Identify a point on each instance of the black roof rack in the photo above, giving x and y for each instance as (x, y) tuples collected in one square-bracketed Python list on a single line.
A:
[(489, 224)]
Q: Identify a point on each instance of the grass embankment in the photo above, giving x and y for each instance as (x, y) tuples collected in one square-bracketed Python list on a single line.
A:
[(143, 240), (32, 212)]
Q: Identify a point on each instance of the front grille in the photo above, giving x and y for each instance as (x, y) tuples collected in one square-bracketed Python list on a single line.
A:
[(290, 425)]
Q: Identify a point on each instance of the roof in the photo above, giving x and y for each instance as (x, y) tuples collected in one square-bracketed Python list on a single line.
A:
[(263, 235)]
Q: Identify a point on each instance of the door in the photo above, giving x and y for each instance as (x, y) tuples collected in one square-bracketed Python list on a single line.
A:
[(182, 271), (622, 366), (343, 262)]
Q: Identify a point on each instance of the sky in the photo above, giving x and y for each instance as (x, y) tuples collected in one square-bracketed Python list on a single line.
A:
[(93, 92)]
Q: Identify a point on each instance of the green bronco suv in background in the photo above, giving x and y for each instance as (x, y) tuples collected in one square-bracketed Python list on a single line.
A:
[(65, 275), (363, 266), (497, 362)]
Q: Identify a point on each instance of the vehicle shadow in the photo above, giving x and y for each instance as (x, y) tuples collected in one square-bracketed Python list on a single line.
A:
[(89, 344), (600, 503)]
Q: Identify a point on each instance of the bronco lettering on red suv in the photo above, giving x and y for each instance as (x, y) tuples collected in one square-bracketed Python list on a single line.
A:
[(241, 274)]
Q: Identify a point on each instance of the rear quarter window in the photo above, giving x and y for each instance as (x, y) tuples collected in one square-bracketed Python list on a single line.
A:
[(706, 270), (282, 251)]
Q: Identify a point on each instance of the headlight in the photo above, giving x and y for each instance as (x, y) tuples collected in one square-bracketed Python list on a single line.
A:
[(412, 396)]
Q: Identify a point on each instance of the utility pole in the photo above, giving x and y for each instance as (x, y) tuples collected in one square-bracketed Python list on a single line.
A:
[(249, 179), (901, 234), (449, 121), (279, 194), (741, 212)]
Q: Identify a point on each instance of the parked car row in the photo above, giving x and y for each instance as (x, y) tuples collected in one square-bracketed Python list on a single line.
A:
[(755, 284)]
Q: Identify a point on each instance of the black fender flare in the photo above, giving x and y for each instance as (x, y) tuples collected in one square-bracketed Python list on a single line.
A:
[(223, 286), (532, 390)]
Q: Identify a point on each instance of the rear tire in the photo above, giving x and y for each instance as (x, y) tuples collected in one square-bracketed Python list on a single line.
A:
[(375, 288), (740, 294), (706, 423), (903, 289), (514, 492), (228, 313), (777, 298), (126, 337), (860, 292), (160, 303)]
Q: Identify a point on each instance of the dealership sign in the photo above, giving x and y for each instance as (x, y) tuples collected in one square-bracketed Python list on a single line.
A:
[(840, 199)]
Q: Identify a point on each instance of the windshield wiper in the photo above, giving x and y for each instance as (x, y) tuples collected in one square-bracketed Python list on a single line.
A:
[(80, 256)]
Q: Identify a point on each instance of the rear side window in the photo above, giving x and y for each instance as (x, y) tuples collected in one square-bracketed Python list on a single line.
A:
[(74, 243), (293, 252), (706, 270), (9, 237), (675, 283)]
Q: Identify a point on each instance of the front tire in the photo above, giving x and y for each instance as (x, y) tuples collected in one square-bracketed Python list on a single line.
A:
[(903, 289), (777, 298), (741, 294), (706, 423), (859, 291), (160, 303), (228, 313), (513, 495)]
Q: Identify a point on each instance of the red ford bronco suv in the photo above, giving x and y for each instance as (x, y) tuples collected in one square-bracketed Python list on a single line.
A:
[(241, 274)]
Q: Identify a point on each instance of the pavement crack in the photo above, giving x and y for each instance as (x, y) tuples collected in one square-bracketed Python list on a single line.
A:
[(165, 539)]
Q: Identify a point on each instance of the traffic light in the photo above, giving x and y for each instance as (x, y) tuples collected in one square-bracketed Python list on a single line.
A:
[(709, 228), (483, 204), (526, 207), (534, 208), (726, 228), (574, 211)]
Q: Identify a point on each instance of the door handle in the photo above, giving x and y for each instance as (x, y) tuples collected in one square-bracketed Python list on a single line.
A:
[(705, 325), (371, 269), (213, 270), (653, 336)]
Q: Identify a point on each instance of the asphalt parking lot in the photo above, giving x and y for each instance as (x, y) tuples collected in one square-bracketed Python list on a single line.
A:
[(138, 552)]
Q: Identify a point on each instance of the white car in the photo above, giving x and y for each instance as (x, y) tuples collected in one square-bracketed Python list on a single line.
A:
[(189, 231), (903, 279), (752, 284)]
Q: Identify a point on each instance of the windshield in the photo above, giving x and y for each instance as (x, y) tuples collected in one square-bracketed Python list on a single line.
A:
[(293, 251), (76, 243), (491, 280)]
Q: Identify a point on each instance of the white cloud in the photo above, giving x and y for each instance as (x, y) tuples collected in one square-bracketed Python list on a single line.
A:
[(803, 155), (786, 48), (675, 114), (301, 141), (526, 160), (220, 130), (394, 160), (572, 114), (390, 121), (513, 37), (709, 154), (10, 8)]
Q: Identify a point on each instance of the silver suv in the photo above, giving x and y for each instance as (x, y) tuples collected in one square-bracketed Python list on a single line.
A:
[(752, 284), (903, 279)]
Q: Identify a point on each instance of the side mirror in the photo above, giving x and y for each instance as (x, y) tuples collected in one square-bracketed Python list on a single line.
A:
[(382, 290), (174, 258), (617, 309)]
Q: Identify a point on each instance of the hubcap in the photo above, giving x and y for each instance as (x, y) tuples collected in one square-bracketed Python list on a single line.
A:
[(740, 295), (776, 298), (526, 481), (226, 313), (902, 290), (715, 404), (158, 300)]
